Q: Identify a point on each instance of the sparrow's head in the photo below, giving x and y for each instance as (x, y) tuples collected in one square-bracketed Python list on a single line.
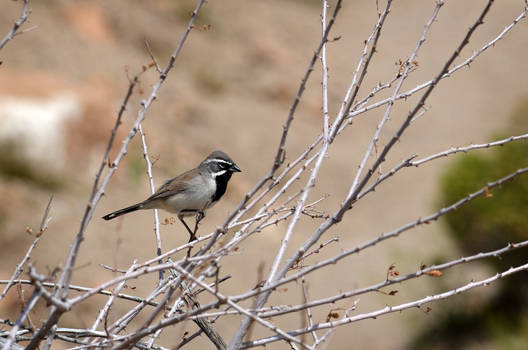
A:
[(219, 163)]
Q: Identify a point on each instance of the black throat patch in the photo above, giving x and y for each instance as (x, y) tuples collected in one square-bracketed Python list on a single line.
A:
[(221, 185)]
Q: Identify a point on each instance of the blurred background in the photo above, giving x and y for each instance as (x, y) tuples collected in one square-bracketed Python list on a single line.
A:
[(62, 83)]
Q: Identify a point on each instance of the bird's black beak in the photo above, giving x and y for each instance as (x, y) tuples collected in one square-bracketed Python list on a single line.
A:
[(235, 169)]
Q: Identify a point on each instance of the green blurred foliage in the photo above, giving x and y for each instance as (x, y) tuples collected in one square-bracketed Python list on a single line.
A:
[(13, 165), (487, 223)]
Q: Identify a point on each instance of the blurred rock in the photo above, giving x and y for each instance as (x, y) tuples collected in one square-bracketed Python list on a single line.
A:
[(36, 124)]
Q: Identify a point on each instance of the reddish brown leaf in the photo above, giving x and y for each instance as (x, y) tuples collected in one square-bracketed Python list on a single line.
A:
[(434, 273)]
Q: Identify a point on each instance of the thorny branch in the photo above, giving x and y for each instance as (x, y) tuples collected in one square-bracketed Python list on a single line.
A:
[(98, 191), (390, 309), (174, 300), (152, 190)]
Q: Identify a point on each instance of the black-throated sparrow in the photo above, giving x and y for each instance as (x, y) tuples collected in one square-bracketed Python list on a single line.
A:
[(190, 193)]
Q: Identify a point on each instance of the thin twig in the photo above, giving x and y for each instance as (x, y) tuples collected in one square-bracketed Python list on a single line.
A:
[(154, 61), (447, 74), (104, 311), (390, 309), (423, 271), (324, 69), (406, 68), (98, 191), (27, 309), (20, 266), (16, 26), (467, 149), (384, 236), (152, 190), (337, 217), (364, 61)]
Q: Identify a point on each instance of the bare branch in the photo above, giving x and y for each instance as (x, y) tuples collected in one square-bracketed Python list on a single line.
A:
[(104, 311), (391, 309), (447, 74), (283, 195), (19, 22), (152, 190), (386, 236), (423, 271), (20, 266), (279, 157), (465, 149), (406, 68), (324, 69), (364, 62), (27, 309), (98, 192)]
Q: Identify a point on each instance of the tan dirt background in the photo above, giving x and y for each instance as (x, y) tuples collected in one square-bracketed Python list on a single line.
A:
[(231, 89)]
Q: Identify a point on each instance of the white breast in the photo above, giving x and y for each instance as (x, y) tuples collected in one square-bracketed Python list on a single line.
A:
[(197, 196)]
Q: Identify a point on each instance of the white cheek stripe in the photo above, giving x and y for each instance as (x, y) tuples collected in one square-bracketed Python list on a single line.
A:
[(221, 172), (216, 160)]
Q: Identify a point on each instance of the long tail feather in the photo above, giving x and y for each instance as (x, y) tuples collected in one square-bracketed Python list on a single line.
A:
[(120, 212)]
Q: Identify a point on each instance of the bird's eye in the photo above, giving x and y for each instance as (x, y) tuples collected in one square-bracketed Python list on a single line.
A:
[(222, 164)]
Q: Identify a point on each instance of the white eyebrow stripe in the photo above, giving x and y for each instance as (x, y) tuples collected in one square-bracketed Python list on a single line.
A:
[(221, 172), (217, 160)]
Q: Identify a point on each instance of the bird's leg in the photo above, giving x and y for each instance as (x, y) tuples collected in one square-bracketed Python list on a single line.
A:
[(199, 217), (193, 237)]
